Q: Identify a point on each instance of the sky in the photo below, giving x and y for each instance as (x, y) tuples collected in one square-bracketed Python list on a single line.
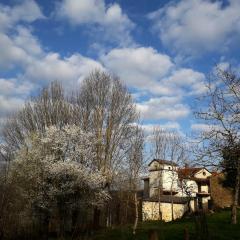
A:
[(162, 50)]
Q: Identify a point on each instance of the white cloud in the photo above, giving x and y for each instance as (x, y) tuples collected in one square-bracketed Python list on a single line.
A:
[(148, 128), (70, 71), (170, 126), (79, 12), (188, 80), (17, 42), (19, 49), (12, 87), (9, 105), (167, 108), (223, 66), (203, 127), (25, 40), (11, 54), (26, 11), (147, 69), (12, 96), (195, 26), (110, 20), (139, 67), (183, 77), (22, 52)]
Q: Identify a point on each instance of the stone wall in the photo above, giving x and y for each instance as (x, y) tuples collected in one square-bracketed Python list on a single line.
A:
[(150, 211)]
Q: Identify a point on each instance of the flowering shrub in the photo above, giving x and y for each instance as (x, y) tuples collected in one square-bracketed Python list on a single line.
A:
[(58, 166)]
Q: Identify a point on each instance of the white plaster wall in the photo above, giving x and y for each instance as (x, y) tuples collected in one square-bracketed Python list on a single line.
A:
[(170, 179), (193, 205), (151, 211), (191, 186), (188, 186), (153, 182), (204, 188), (168, 175), (200, 174)]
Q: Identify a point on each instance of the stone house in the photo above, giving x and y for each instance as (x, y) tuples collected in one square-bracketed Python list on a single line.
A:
[(178, 189)]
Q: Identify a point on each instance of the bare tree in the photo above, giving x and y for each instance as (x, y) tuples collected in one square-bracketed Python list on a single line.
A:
[(135, 166), (188, 189), (220, 111), (158, 148), (47, 109), (168, 145), (178, 155), (102, 106), (105, 107)]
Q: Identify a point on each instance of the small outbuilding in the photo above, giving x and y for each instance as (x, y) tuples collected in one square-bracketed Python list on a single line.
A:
[(170, 191)]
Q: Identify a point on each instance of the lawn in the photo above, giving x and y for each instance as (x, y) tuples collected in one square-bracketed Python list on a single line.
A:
[(218, 225)]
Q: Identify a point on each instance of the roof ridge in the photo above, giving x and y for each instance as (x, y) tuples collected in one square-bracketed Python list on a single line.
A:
[(162, 161)]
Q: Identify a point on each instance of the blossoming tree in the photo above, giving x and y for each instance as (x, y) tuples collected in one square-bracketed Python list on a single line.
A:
[(56, 171)]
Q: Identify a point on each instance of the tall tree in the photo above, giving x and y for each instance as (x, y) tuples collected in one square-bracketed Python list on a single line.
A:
[(221, 112), (51, 173), (102, 105), (168, 145), (105, 107), (135, 158), (48, 108)]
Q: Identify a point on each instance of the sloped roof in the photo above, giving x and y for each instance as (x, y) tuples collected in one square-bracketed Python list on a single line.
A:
[(188, 172), (161, 161), (216, 173)]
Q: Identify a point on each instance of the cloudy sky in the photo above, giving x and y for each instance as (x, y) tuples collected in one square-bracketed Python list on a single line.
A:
[(163, 50)]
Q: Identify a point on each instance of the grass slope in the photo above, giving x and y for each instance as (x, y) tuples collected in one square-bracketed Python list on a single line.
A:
[(219, 228)]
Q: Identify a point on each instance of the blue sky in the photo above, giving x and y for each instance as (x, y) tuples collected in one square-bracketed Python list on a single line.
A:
[(162, 50)]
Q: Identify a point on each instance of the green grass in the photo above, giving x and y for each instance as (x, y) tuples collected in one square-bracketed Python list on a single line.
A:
[(219, 228)]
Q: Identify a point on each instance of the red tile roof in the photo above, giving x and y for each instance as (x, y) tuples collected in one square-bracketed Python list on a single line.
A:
[(187, 172)]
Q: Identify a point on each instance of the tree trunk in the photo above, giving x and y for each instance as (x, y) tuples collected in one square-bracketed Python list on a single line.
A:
[(159, 201), (172, 184), (153, 234), (62, 218), (186, 234), (96, 218), (172, 206), (136, 213), (189, 206), (236, 197), (126, 212), (45, 226), (172, 201)]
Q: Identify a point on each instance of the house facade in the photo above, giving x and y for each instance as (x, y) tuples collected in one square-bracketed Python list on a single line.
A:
[(170, 191)]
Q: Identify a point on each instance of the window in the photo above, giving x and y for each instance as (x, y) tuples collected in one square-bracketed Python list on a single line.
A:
[(169, 168), (204, 174)]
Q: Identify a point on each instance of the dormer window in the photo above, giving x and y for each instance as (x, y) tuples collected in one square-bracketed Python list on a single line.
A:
[(169, 168)]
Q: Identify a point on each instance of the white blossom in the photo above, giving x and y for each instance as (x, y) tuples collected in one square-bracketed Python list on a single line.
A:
[(59, 164)]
